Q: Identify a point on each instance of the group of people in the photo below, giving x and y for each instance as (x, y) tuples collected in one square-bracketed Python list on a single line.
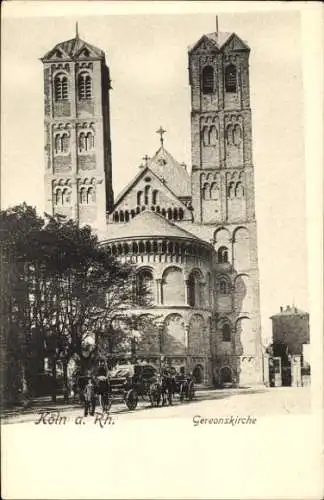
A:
[(98, 387)]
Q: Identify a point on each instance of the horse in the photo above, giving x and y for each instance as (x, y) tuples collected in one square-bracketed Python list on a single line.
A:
[(162, 389)]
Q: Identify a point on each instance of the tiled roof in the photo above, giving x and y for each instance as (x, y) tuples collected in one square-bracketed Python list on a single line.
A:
[(219, 39), (72, 47), (174, 175), (147, 224)]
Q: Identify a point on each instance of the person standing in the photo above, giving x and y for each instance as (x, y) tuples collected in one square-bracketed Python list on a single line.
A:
[(89, 398)]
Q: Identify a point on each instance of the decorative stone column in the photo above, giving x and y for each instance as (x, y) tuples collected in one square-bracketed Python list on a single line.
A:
[(188, 361), (186, 290), (159, 297)]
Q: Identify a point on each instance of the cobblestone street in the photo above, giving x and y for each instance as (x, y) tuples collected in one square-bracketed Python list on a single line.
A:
[(256, 402)]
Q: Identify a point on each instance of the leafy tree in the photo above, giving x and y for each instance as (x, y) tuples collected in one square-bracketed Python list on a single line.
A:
[(65, 291)]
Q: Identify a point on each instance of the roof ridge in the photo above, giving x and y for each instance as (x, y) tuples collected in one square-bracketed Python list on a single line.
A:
[(168, 222)]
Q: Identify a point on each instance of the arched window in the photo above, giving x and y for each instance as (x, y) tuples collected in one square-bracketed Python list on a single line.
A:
[(173, 291), (89, 141), (222, 255), (66, 196), (158, 209), (57, 143), (61, 87), (58, 197), (126, 248), (141, 247), (144, 286), (224, 287), (155, 197), (121, 216), (148, 247), (170, 247), (230, 190), (82, 142), (116, 217), (139, 198), (91, 195), (237, 134), (126, 215), (175, 214), (194, 298), (205, 136), (239, 190), (180, 213), (169, 213), (214, 192), (226, 333), (229, 134), (135, 247), (208, 80), (85, 86), (132, 214), (163, 212), (212, 136), (83, 195), (65, 141), (230, 78), (146, 196)]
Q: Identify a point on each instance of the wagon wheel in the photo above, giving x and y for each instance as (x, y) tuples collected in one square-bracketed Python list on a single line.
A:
[(131, 399), (191, 390)]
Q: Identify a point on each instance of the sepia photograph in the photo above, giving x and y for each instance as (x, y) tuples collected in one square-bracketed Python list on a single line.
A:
[(156, 285)]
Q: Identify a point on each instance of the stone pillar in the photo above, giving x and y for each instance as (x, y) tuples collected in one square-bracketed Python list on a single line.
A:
[(266, 377), (296, 378), (159, 297), (186, 290)]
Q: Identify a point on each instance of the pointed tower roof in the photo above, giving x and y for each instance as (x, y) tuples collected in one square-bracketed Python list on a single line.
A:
[(172, 173), (71, 49), (148, 224), (219, 40)]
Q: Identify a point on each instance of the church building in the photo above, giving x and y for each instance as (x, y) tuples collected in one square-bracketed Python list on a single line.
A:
[(191, 233)]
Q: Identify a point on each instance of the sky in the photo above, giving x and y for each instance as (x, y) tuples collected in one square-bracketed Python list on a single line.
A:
[(147, 56)]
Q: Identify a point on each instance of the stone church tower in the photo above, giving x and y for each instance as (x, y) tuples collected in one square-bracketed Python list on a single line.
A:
[(78, 174), (223, 191)]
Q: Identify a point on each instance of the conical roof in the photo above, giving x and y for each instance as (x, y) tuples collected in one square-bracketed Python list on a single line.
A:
[(147, 224), (174, 175)]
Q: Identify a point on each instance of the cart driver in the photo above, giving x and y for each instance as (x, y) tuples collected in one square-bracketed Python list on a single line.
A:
[(182, 373)]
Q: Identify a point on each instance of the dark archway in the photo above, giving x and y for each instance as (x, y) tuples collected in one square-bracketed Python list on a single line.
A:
[(198, 374)]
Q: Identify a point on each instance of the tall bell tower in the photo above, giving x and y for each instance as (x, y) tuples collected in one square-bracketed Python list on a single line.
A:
[(223, 193), (78, 170)]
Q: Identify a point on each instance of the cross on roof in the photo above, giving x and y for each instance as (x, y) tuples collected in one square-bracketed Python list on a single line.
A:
[(146, 159), (161, 131)]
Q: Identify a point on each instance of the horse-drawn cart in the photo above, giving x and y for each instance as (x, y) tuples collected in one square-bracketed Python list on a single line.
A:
[(169, 383), (129, 383)]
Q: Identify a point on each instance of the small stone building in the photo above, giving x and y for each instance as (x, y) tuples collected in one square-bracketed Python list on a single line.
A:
[(290, 332), (290, 327)]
